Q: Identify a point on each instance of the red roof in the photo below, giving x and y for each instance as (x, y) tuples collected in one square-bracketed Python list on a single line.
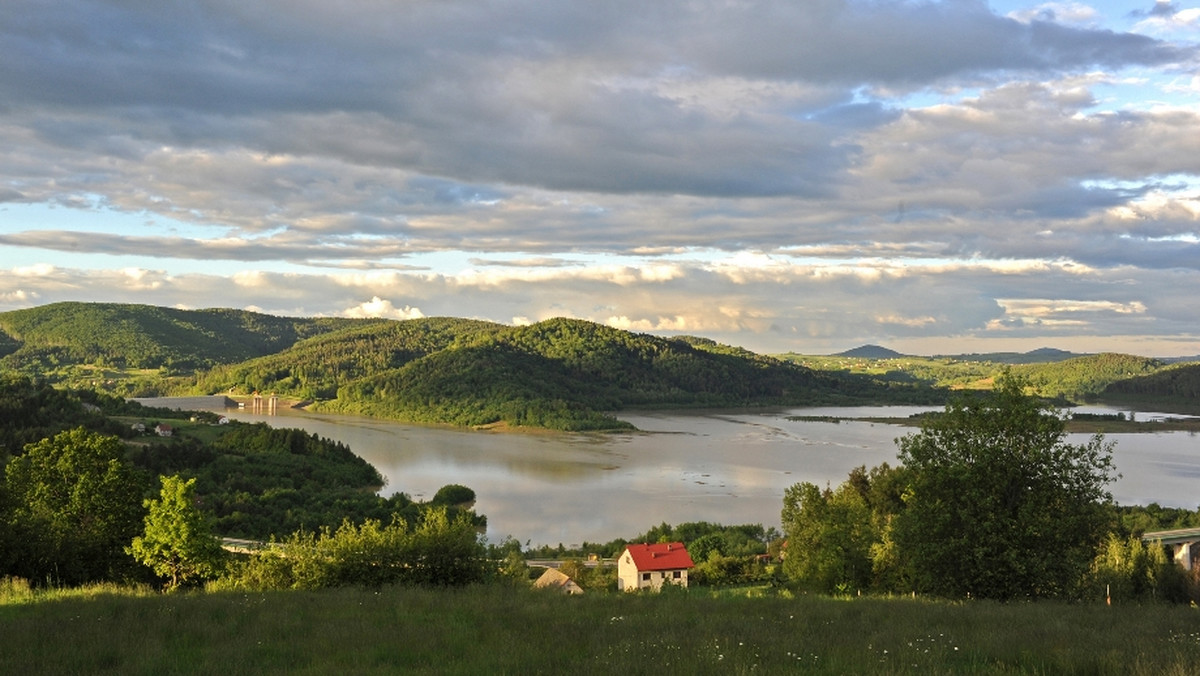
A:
[(660, 556)]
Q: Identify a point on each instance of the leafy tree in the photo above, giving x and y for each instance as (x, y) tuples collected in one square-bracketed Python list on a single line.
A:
[(178, 542), (453, 494), (829, 537), (1000, 505), (705, 545), (574, 569), (76, 504), (513, 568)]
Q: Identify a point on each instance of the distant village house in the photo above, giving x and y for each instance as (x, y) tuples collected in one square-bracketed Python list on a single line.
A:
[(556, 579), (650, 566)]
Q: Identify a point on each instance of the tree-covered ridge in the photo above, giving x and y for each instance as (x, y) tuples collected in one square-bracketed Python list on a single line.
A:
[(144, 336), (257, 481), (1077, 378), (1083, 378), (314, 368), (31, 411), (251, 480), (566, 374), (1176, 384)]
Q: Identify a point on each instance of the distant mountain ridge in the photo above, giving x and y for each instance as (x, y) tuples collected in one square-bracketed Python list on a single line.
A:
[(870, 352), (1041, 355)]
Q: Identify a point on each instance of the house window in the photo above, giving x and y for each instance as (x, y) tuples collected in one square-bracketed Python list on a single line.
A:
[(645, 577), (678, 574)]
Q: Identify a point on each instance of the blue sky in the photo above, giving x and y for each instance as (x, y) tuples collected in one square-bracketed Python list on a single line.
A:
[(933, 176)]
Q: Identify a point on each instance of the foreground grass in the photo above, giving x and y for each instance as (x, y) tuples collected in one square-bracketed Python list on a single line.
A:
[(501, 630)]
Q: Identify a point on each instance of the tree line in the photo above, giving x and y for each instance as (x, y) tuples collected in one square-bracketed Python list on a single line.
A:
[(37, 340), (989, 501), (77, 490)]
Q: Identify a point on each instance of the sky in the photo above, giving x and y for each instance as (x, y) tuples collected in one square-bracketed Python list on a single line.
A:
[(937, 177)]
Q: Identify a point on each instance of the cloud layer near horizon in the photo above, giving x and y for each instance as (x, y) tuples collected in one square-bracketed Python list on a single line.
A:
[(779, 175)]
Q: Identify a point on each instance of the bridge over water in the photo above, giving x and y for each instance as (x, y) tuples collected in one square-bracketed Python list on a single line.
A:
[(1183, 542)]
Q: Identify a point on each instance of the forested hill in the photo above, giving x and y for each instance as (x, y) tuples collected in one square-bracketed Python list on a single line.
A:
[(559, 374), (1172, 386), (316, 367), (1086, 377), (143, 336)]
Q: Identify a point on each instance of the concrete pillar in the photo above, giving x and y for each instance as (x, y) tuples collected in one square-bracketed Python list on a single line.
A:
[(1183, 555)]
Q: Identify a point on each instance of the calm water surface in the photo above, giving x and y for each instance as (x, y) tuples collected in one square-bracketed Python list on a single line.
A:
[(725, 467)]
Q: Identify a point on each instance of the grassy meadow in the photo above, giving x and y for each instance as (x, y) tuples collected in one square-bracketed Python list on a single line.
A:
[(503, 630)]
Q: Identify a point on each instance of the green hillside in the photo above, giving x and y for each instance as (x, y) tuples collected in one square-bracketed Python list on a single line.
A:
[(1076, 378), (1085, 378), (146, 337), (559, 374), (315, 368), (1177, 386), (1041, 355)]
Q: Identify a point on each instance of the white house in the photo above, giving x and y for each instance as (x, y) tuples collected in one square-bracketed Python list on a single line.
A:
[(647, 566)]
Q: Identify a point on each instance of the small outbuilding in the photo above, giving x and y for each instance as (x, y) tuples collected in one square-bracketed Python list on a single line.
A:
[(650, 566), (554, 578)]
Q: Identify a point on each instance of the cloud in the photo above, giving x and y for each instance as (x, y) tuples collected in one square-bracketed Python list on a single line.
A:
[(768, 172), (1069, 13), (1166, 18), (377, 307)]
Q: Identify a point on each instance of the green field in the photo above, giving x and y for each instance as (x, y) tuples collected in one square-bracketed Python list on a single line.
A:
[(499, 629)]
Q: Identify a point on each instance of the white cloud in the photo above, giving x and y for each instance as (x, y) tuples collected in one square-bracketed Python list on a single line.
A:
[(18, 297), (1168, 21), (36, 270), (378, 307), (1071, 13)]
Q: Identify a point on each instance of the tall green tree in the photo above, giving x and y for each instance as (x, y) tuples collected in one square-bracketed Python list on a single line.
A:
[(829, 537), (1000, 505), (75, 503), (178, 543)]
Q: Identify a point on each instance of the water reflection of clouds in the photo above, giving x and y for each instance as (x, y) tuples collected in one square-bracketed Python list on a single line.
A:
[(1182, 470)]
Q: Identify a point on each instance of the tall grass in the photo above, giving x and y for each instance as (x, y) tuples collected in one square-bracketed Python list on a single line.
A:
[(502, 630)]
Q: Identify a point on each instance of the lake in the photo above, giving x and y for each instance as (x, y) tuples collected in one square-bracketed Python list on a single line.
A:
[(726, 467)]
